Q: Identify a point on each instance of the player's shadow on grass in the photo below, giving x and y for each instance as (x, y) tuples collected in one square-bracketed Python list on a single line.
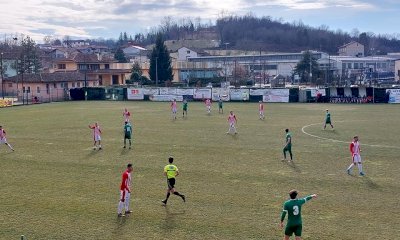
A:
[(170, 218), (293, 165), (124, 151), (371, 184), (93, 153)]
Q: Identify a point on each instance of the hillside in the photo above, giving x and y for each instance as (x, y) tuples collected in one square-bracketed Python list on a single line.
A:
[(250, 33)]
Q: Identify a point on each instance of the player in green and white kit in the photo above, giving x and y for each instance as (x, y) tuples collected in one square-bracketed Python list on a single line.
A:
[(292, 208), (328, 119), (127, 134), (184, 108), (288, 146), (220, 106)]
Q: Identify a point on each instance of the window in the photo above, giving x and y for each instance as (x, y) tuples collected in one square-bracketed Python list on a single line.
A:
[(188, 51), (349, 65), (78, 84), (47, 88), (73, 84), (361, 65), (61, 66), (23, 89), (55, 85), (379, 65), (344, 65), (383, 65), (355, 65), (107, 66), (38, 89), (29, 90)]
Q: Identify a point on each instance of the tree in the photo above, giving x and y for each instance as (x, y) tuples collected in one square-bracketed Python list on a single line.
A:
[(120, 56), (136, 73), (28, 59), (160, 62), (303, 68)]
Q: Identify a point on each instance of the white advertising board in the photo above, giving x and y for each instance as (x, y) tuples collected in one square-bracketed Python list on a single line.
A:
[(167, 91), (276, 95), (185, 91), (222, 93), (394, 95), (257, 92), (314, 92), (239, 94), (165, 98), (202, 93), (150, 91), (135, 94)]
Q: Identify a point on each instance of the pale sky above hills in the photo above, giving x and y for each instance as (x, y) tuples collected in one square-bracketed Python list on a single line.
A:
[(107, 18)]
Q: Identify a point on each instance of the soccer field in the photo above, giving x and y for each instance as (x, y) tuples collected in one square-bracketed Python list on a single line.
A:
[(54, 186)]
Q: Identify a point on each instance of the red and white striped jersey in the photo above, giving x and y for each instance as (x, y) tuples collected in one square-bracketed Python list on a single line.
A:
[(126, 180), (355, 148), (2, 134)]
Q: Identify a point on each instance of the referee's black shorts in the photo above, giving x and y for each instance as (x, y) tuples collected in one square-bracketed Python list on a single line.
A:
[(171, 183)]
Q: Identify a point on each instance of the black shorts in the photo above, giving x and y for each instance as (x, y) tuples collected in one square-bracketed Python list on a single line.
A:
[(171, 183), (127, 136)]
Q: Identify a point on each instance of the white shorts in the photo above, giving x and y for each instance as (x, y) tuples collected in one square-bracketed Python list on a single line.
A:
[(97, 138), (174, 110), (208, 107), (3, 141), (231, 125), (357, 158), (261, 112)]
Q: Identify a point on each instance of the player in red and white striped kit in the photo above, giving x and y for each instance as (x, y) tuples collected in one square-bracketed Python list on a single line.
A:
[(3, 139), (356, 157), (261, 110), (127, 115), (208, 105), (125, 190), (96, 136), (173, 108), (232, 121)]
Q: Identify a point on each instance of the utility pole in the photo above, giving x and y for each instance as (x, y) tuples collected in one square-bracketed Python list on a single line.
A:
[(226, 53), (156, 71), (310, 67), (2, 76)]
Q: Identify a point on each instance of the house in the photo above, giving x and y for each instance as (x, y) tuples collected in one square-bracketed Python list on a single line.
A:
[(184, 53), (46, 86), (134, 52), (106, 70), (397, 70), (353, 49)]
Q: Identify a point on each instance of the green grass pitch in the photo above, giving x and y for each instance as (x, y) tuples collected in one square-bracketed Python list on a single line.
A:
[(54, 186)]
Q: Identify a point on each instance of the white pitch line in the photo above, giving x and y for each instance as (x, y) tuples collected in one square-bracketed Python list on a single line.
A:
[(339, 141)]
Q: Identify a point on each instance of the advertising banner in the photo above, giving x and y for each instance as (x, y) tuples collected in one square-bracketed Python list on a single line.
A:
[(257, 92), (314, 92), (135, 94), (202, 93), (165, 98), (185, 91), (6, 102), (222, 93), (167, 91), (394, 95), (276, 95), (239, 94), (150, 91)]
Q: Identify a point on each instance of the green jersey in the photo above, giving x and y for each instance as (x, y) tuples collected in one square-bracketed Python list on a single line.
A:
[(289, 135), (328, 117), (220, 103), (185, 105), (292, 208), (128, 129)]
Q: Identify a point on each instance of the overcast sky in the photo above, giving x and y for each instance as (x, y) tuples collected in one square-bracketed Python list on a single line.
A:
[(106, 18)]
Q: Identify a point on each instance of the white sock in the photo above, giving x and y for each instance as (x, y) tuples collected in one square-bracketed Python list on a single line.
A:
[(351, 166), (127, 199), (120, 207), (9, 145), (360, 167)]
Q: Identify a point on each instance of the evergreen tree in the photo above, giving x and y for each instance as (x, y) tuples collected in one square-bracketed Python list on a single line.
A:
[(303, 68), (28, 59), (160, 62), (137, 73), (120, 56)]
